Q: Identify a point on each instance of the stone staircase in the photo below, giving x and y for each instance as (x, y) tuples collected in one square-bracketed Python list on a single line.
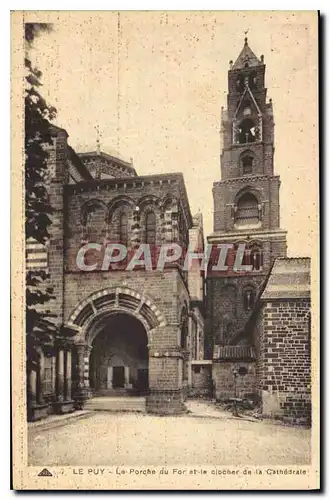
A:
[(112, 403)]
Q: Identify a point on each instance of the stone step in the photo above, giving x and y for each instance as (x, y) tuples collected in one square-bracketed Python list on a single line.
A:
[(115, 393), (116, 404)]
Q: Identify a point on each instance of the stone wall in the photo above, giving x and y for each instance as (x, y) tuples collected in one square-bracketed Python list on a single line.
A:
[(224, 380), (284, 372), (201, 380)]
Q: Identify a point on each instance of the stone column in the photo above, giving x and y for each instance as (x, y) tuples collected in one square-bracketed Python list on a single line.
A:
[(54, 375), (41, 378), (126, 385), (80, 348), (32, 389), (68, 371), (60, 375), (87, 352), (109, 379), (197, 342)]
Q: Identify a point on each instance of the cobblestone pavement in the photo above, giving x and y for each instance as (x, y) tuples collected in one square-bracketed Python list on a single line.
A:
[(106, 438)]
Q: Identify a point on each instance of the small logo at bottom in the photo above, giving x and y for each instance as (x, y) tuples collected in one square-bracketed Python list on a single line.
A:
[(45, 473)]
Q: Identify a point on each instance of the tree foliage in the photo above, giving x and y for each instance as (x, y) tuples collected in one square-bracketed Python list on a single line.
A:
[(38, 133)]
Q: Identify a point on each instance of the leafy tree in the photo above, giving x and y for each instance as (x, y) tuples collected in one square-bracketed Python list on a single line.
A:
[(38, 132)]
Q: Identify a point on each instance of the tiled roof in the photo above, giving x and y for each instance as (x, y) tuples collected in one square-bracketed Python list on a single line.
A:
[(289, 279), (246, 56), (233, 352)]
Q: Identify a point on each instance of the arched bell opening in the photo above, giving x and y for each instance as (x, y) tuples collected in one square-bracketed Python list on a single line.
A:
[(119, 356)]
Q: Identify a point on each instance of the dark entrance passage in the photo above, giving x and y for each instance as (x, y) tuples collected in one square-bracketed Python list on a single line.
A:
[(142, 379), (119, 358), (118, 376)]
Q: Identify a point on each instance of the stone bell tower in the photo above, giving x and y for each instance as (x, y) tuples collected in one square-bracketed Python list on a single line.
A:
[(246, 199)]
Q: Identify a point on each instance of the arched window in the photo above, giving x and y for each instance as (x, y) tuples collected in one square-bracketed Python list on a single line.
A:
[(151, 228), (256, 259), (247, 164), (240, 83), (93, 218), (247, 131), (252, 81), (247, 210), (249, 298), (123, 229)]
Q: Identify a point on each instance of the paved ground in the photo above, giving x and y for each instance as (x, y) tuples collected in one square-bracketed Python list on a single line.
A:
[(204, 437)]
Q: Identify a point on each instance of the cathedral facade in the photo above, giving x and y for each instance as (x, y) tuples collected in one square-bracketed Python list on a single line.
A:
[(175, 332)]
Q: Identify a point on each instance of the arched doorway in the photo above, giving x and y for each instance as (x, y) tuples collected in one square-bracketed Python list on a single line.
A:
[(119, 356)]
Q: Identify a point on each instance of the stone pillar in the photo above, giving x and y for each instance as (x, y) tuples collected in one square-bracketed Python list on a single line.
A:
[(87, 352), (109, 377), (189, 374), (41, 378), (60, 375), (68, 371), (54, 375), (197, 343), (32, 389), (166, 393), (126, 377), (80, 348)]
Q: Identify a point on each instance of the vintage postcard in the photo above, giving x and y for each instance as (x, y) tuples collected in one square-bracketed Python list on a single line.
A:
[(165, 250)]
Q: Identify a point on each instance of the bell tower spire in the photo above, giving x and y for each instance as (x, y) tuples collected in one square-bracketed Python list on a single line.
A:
[(246, 199)]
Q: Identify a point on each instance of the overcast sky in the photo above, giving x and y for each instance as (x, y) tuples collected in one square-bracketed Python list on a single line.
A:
[(155, 82)]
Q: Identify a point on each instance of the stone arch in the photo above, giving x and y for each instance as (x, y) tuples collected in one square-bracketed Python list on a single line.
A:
[(247, 162), (119, 202), (248, 209), (168, 201), (116, 223), (150, 204), (93, 220), (248, 190), (114, 300), (88, 208), (148, 199)]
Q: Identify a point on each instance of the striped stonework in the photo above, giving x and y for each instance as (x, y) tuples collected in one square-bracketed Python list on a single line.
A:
[(135, 235), (36, 255)]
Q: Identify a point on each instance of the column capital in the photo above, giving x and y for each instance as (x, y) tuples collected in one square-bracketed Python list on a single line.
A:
[(80, 346)]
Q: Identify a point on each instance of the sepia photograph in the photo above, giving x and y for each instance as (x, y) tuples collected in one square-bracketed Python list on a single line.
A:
[(165, 219)]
